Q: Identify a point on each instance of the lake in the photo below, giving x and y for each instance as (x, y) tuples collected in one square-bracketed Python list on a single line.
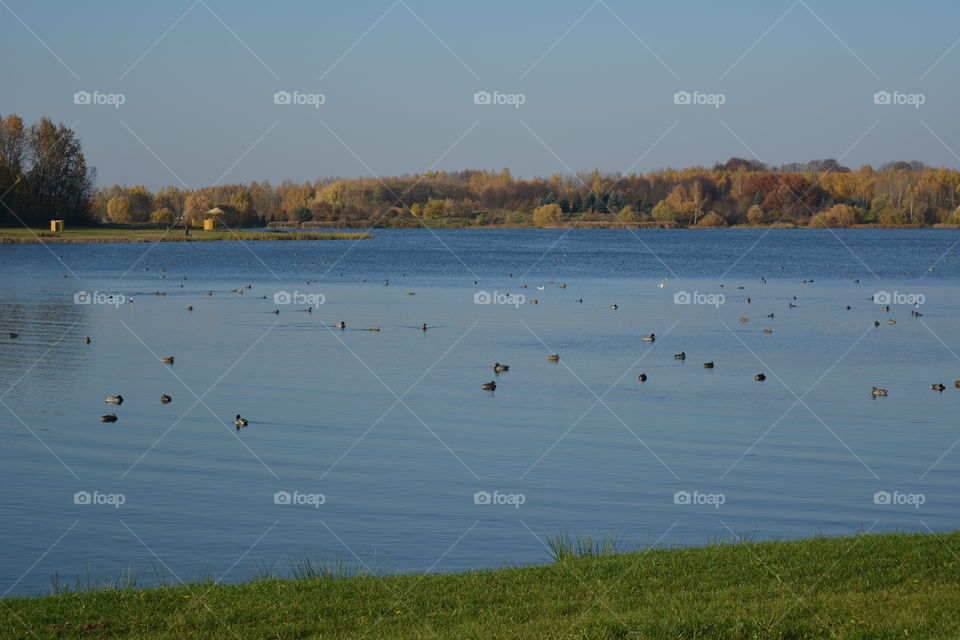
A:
[(383, 445)]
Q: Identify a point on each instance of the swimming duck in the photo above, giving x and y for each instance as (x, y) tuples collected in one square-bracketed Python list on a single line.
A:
[(760, 377), (877, 391), (14, 335), (167, 360), (374, 329), (190, 308), (770, 315), (744, 319), (642, 377), (165, 399), (341, 325), (424, 326), (885, 308), (113, 399), (937, 387), (110, 417), (708, 365), (490, 385), (680, 356), (891, 321), (650, 338), (534, 301), (500, 367), (876, 323), (768, 330), (614, 307), (275, 312), (86, 341), (240, 422), (553, 357)]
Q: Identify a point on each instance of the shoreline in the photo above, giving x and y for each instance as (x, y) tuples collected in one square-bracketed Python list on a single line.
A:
[(860, 586), (96, 235)]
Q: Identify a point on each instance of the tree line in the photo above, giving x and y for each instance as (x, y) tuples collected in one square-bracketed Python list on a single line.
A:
[(736, 192), (43, 174)]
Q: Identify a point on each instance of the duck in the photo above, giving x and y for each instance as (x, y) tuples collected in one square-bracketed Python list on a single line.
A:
[(563, 286), (760, 377), (86, 340), (937, 387), (876, 323), (614, 307), (113, 399), (650, 338), (534, 301), (891, 321), (642, 377), (424, 326), (167, 360), (553, 357), (885, 308), (770, 315), (14, 335), (680, 356), (275, 312), (744, 319), (240, 422), (497, 367), (768, 330), (540, 288), (190, 308), (110, 417), (165, 399), (374, 329), (956, 383), (708, 365), (341, 325), (877, 391), (490, 385), (791, 305)]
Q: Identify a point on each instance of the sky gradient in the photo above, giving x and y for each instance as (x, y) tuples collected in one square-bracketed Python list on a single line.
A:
[(597, 78)]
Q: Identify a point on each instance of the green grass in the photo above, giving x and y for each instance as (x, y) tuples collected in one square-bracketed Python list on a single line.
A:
[(866, 586), (117, 233)]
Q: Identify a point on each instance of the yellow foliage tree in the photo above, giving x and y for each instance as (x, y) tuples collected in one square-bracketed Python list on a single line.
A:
[(549, 215)]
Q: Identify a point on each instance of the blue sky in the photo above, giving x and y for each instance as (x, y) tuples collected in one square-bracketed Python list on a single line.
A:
[(398, 78)]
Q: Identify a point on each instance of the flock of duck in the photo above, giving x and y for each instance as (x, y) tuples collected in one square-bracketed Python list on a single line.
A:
[(498, 367)]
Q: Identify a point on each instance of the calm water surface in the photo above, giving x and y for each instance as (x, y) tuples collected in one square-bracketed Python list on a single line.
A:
[(395, 432)]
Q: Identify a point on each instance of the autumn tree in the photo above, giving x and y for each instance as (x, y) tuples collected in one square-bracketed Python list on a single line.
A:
[(118, 209), (549, 215)]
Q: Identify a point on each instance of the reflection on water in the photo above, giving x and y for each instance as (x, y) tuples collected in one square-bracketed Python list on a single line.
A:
[(383, 443)]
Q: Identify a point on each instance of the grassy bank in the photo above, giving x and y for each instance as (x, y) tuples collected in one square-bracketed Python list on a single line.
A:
[(868, 586), (128, 234)]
